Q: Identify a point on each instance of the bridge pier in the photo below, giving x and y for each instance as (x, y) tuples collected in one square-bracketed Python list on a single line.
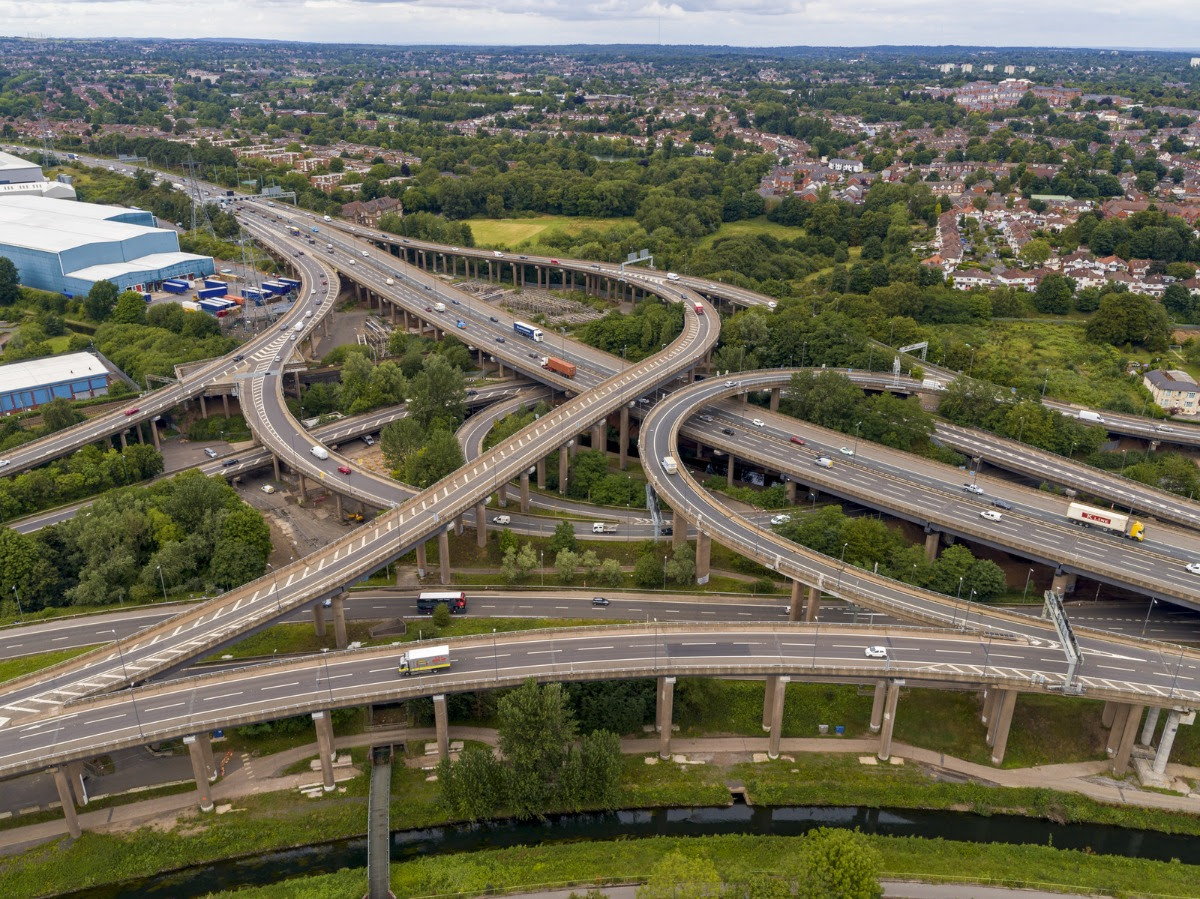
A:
[(318, 612), (1125, 745), (325, 748), (1167, 740), (1118, 727), (1063, 583), (666, 701), (889, 720), (337, 501), (502, 496), (541, 474), (563, 462), (932, 539), (525, 492), (703, 556), (624, 438), (67, 801), (154, 435), (444, 555), (729, 470), (339, 620), (778, 695), (597, 437), (122, 438), (422, 563), (275, 462), (441, 725), (203, 407), (480, 524), (199, 772), (459, 525), (75, 776), (1148, 728), (774, 403), (791, 492), (1107, 715), (1003, 718), (794, 609), (812, 608), (225, 403), (877, 706), (989, 705)]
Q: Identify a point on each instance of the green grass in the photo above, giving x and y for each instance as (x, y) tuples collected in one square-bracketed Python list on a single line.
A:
[(10, 669), (514, 231), (752, 227)]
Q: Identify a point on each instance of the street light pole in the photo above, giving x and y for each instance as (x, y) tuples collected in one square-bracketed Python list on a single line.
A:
[(664, 573), (162, 582), (857, 425), (1025, 595), (20, 611), (275, 578), (1148, 610)]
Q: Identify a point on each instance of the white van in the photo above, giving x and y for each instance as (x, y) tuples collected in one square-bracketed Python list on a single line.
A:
[(439, 307), (669, 465), (671, 276), (320, 452), (389, 282), (327, 218), (502, 519)]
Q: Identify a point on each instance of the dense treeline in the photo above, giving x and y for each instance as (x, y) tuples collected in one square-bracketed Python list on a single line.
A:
[(85, 472), (652, 325), (190, 533)]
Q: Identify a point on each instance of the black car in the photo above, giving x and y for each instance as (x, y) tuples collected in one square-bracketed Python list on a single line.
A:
[(727, 431), (599, 601), (499, 340), (493, 319), (1001, 504), (229, 462)]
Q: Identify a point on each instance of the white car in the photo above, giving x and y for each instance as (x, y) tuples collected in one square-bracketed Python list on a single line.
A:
[(3, 462), (730, 384), (365, 253), (1193, 567), (973, 488), (990, 515), (876, 652), (846, 451), (779, 519), (1163, 429), (759, 423), (267, 488)]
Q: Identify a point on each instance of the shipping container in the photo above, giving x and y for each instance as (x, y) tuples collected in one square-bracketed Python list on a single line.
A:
[(191, 306), (212, 293), (290, 282), (174, 286)]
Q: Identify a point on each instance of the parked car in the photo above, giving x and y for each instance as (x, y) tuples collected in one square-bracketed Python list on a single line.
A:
[(210, 452), (779, 519), (267, 488)]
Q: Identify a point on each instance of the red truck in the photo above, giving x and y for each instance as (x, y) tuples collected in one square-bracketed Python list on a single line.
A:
[(562, 366)]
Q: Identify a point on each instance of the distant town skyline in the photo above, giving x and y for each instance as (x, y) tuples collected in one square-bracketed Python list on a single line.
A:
[(1166, 25)]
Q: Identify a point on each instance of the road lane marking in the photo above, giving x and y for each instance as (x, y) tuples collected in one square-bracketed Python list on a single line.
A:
[(223, 696), (159, 708), (278, 686)]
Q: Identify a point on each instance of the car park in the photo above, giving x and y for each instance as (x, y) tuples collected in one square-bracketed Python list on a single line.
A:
[(973, 488), (344, 469), (876, 652), (990, 515)]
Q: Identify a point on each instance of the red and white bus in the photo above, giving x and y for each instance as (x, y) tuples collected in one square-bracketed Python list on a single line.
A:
[(456, 601)]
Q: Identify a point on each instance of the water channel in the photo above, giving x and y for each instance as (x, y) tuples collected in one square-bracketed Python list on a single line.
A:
[(323, 858)]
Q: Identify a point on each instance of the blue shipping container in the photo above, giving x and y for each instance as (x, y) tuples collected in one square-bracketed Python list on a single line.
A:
[(290, 282), (208, 293)]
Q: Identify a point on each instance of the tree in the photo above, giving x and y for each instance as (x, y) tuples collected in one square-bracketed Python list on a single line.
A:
[(440, 456), (59, 414), (1129, 318), (681, 569), (1053, 295), (677, 875), (1178, 302), (535, 726), (473, 787), (10, 290), (526, 560), (441, 616), (565, 563), (1035, 252), (610, 573), (399, 440), (837, 864), (590, 563), (437, 396), (130, 309), (100, 300), (564, 537), (648, 570)]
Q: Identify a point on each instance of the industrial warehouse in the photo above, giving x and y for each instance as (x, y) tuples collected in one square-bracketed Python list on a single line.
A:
[(75, 376), (66, 247)]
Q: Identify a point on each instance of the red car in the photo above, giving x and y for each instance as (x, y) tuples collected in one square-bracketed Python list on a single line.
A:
[(344, 469), (133, 411), (799, 440), (554, 262)]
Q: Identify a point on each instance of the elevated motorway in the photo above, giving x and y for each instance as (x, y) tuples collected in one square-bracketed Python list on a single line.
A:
[(330, 571)]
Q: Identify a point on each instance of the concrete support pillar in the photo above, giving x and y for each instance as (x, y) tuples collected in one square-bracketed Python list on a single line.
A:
[(990, 697), (154, 435), (338, 607), (525, 492), (325, 748), (1114, 735), (931, 545), (210, 763), (729, 470), (541, 474), (441, 725), (794, 610), (422, 563), (300, 485), (203, 407), (318, 613), (877, 705), (480, 524), (624, 438), (597, 437), (812, 608), (1148, 728), (502, 496), (770, 685), (68, 802), (791, 493), (122, 438), (444, 555), (703, 556), (1063, 583), (225, 404), (199, 773), (1109, 712), (337, 501), (774, 404), (78, 787), (1125, 744), (666, 700), (275, 462), (777, 717), (459, 525), (889, 720), (563, 461), (1003, 718), (1166, 741)]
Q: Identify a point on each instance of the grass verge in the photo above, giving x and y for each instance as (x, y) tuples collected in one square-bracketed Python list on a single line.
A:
[(10, 669)]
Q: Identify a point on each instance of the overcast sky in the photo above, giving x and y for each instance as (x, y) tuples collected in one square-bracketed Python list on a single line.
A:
[(1069, 23)]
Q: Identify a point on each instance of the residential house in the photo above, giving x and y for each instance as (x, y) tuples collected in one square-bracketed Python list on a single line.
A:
[(1172, 390)]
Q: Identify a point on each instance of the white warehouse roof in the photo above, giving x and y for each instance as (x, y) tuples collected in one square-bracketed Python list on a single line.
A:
[(51, 370), (15, 169), (53, 226), (111, 271)]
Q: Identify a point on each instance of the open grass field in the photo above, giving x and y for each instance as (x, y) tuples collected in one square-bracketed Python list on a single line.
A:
[(515, 231)]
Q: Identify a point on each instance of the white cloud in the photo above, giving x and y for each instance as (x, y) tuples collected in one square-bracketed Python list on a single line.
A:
[(1166, 23)]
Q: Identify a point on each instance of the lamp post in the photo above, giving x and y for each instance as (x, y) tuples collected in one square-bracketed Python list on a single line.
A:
[(664, 573), (842, 563), (542, 565), (857, 425), (275, 578), (1148, 610), (1045, 381), (20, 611), (1025, 595), (128, 683), (161, 581), (495, 661)]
